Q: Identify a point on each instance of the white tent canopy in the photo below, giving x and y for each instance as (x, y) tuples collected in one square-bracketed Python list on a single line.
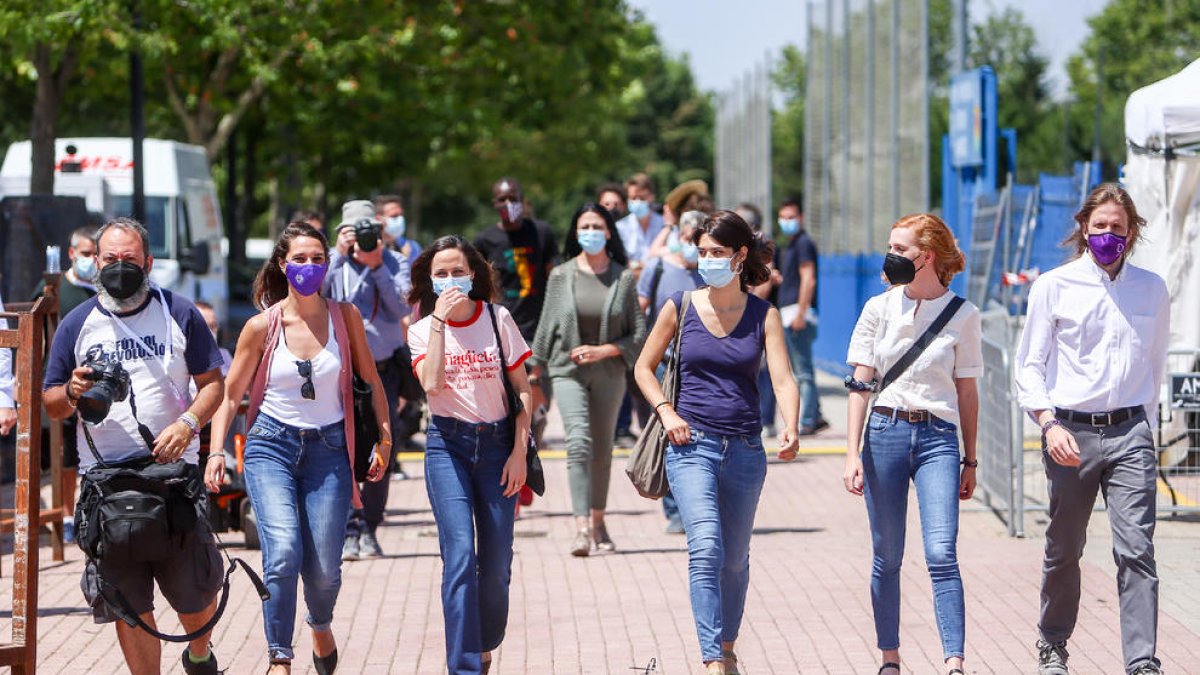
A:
[(1166, 113), (1162, 174)]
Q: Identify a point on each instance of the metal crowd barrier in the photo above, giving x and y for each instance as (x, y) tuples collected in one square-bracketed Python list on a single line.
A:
[(998, 436)]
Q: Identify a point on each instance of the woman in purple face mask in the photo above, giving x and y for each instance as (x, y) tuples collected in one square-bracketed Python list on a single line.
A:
[(299, 448)]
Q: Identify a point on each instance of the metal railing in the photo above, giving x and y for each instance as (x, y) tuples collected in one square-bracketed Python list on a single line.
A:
[(998, 437)]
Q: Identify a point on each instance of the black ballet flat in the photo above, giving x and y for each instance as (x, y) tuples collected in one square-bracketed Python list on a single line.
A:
[(887, 665), (325, 665)]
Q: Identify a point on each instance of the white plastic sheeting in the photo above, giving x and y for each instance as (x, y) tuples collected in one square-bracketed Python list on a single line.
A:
[(1162, 175), (1166, 113)]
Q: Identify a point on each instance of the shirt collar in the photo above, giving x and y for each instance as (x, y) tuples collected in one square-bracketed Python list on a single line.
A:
[(1091, 268)]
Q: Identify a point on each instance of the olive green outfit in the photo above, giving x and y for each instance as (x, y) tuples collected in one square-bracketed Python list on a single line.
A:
[(582, 308)]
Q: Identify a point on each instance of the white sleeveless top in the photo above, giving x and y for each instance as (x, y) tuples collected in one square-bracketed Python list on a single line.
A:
[(282, 399)]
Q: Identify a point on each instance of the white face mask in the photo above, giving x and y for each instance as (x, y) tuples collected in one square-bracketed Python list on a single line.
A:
[(396, 227), (85, 267), (515, 211)]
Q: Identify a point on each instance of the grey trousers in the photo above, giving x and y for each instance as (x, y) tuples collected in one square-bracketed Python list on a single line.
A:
[(1119, 461), (589, 403)]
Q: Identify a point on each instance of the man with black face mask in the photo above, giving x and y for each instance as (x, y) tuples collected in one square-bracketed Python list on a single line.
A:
[(160, 340)]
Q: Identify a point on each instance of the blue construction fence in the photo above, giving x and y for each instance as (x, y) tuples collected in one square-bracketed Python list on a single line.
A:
[(848, 280)]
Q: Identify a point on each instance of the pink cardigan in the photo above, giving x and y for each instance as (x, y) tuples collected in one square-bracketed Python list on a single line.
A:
[(258, 386)]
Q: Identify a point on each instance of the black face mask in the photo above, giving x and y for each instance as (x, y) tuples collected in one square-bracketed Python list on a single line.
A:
[(899, 270), (122, 279)]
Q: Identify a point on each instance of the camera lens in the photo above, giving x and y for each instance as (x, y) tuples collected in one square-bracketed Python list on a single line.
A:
[(95, 403)]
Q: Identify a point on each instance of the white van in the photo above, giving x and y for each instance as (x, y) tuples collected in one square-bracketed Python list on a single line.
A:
[(182, 211)]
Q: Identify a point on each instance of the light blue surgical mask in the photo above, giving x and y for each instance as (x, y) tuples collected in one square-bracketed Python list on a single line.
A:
[(690, 252), (591, 241), (789, 226), (442, 284), (673, 245), (85, 267), (639, 207), (716, 272), (396, 227)]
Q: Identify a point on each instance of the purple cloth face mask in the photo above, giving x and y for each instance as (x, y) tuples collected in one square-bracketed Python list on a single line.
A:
[(1106, 247), (306, 278)]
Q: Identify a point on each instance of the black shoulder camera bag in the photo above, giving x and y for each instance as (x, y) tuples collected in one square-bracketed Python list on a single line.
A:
[(140, 510)]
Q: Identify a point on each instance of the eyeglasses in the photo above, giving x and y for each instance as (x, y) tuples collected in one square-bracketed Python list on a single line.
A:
[(306, 390)]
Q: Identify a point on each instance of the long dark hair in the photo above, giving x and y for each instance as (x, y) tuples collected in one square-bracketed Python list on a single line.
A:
[(271, 284), (615, 248), (730, 229), (422, 295)]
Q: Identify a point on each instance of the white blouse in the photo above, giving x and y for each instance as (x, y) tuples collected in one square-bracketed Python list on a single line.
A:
[(888, 326)]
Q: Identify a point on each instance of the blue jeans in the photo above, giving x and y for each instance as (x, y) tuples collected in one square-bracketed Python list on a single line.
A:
[(896, 451), (800, 353), (463, 463), (299, 484), (716, 481)]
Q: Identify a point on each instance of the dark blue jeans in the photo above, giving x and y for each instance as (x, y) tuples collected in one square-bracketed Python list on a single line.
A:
[(299, 484), (926, 453), (463, 463)]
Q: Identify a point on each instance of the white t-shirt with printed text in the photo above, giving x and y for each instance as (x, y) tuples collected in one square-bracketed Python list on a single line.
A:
[(473, 391)]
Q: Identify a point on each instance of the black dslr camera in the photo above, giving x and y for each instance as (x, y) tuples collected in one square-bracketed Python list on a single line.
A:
[(366, 235), (112, 384)]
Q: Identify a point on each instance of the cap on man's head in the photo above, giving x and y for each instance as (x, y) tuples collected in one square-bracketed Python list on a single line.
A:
[(356, 210)]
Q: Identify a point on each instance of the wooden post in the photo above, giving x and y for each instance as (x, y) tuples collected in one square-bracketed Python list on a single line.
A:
[(27, 341)]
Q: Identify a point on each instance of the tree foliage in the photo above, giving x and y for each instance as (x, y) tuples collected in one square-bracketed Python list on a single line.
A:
[(787, 125), (1132, 43), (1006, 42), (338, 99)]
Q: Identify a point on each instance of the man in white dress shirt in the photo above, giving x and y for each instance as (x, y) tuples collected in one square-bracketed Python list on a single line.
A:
[(1090, 365)]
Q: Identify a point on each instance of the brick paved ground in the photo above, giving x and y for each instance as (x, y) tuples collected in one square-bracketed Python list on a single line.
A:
[(808, 609)]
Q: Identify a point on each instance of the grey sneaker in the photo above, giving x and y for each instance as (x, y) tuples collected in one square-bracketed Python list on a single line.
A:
[(1052, 658), (368, 545), (1148, 668), (350, 548)]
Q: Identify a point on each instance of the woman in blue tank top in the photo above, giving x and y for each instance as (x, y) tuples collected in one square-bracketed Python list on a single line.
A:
[(715, 461)]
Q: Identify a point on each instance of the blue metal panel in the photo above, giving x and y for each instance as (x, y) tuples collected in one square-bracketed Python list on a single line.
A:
[(847, 282)]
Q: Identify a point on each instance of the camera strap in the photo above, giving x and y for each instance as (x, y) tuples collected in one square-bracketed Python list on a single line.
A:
[(120, 605), (170, 346), (346, 287), (143, 431)]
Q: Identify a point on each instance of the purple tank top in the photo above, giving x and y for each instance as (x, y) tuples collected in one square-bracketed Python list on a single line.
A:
[(718, 377)]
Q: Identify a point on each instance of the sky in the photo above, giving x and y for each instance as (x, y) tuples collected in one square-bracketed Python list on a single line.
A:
[(726, 38)]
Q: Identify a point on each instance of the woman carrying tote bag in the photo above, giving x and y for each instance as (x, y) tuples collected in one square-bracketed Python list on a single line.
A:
[(912, 431), (474, 453), (715, 462)]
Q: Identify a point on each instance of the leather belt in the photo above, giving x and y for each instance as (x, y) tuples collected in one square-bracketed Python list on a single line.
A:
[(910, 416), (1100, 419)]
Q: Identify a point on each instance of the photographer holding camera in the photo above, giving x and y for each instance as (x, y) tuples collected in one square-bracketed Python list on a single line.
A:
[(375, 279), (125, 360)]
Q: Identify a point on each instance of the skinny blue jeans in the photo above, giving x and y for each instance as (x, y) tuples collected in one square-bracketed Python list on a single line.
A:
[(463, 463), (299, 483), (716, 481), (926, 453)]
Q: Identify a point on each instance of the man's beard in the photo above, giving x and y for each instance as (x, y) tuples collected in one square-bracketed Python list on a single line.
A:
[(129, 304)]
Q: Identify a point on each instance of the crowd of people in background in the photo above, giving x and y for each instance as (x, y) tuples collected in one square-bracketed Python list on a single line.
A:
[(479, 337)]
